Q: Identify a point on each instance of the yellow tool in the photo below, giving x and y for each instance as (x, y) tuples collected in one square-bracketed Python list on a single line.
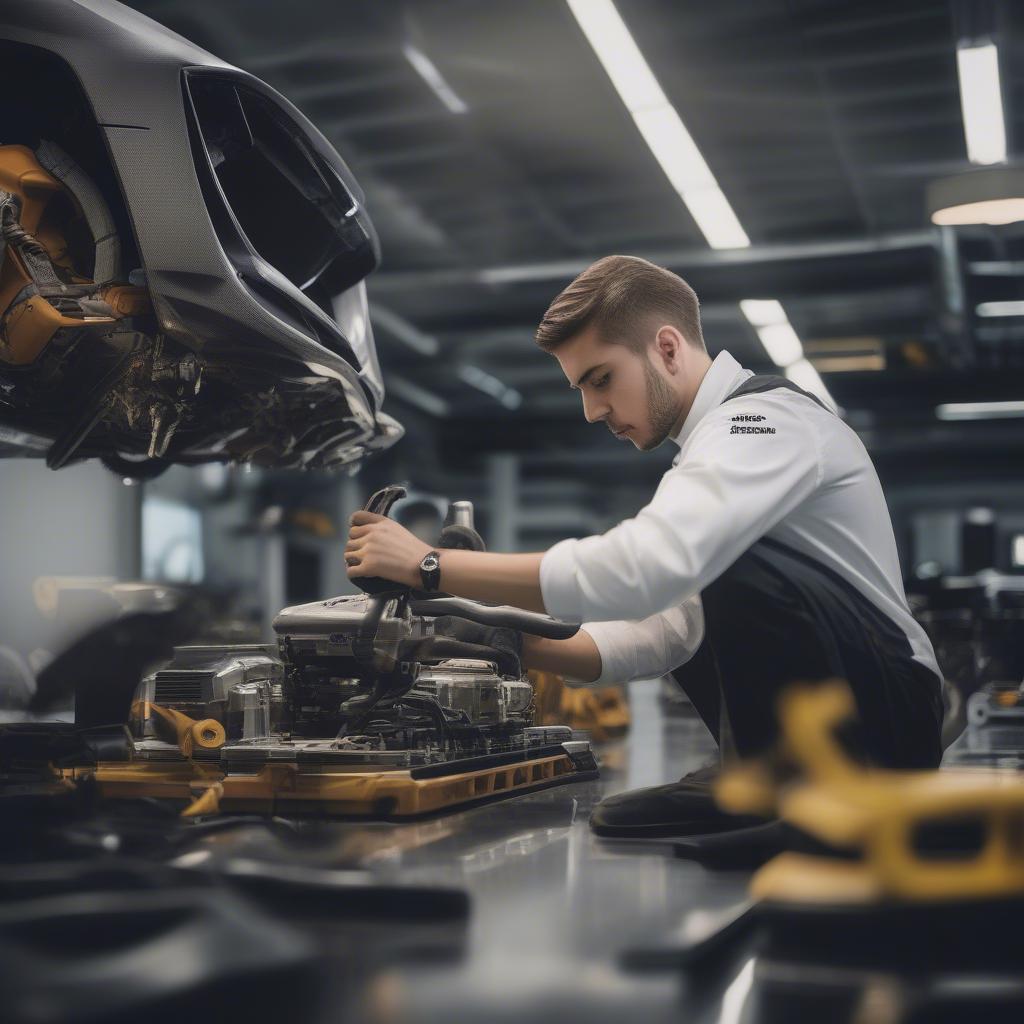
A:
[(175, 727), (882, 815), (207, 802)]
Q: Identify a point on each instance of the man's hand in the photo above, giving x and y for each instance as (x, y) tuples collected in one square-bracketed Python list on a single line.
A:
[(378, 546)]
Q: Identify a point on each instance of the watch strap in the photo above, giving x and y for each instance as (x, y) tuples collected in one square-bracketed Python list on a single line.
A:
[(431, 577)]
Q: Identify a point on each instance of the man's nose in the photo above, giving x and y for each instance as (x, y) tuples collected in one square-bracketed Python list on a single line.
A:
[(594, 410)]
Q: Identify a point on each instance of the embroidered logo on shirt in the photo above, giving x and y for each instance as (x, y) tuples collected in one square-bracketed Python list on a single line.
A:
[(745, 418)]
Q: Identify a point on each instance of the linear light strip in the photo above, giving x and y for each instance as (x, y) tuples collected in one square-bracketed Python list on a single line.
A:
[(981, 101), (659, 123), (1011, 307), (769, 319), (783, 346), (483, 381), (417, 396), (428, 71), (686, 169), (803, 374), (980, 410)]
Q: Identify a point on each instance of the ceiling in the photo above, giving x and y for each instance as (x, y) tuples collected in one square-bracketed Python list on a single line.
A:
[(822, 121)]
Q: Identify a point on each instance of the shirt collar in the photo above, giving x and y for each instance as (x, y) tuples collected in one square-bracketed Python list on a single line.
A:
[(723, 377)]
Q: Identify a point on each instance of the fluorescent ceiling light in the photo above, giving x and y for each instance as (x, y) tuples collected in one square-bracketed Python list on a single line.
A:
[(763, 312), (980, 410), (991, 211), (781, 343), (419, 398), (427, 70), (806, 376), (997, 268), (1017, 557), (400, 329), (1000, 309), (981, 101), (769, 319), (489, 385), (987, 195), (659, 123)]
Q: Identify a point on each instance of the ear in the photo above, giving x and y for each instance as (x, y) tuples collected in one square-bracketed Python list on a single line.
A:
[(668, 344)]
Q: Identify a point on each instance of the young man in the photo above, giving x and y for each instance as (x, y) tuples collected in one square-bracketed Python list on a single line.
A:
[(765, 556)]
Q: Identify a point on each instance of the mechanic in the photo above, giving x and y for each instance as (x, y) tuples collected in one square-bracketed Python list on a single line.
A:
[(766, 554)]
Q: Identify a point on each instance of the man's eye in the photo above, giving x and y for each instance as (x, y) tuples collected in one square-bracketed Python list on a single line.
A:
[(602, 382)]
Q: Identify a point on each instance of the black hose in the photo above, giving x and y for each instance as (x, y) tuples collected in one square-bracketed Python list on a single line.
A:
[(496, 615)]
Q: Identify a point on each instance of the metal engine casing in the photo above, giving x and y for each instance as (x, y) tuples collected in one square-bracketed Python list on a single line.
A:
[(241, 687), (258, 691), (476, 688), (327, 628)]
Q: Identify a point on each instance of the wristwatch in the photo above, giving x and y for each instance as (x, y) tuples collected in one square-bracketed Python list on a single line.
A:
[(430, 570)]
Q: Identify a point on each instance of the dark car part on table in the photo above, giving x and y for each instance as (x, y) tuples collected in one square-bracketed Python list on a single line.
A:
[(101, 954)]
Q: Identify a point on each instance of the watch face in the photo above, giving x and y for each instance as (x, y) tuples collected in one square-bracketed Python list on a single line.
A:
[(431, 562)]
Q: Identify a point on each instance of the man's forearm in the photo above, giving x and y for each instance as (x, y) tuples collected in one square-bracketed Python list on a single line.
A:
[(381, 547), (494, 578), (577, 657)]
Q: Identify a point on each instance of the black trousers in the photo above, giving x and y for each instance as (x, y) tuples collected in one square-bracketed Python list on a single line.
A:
[(775, 617)]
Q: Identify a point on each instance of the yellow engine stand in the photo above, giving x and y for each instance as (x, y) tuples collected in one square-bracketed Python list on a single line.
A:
[(812, 784), (284, 789)]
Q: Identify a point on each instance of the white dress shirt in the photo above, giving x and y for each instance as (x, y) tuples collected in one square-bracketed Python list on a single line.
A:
[(774, 464)]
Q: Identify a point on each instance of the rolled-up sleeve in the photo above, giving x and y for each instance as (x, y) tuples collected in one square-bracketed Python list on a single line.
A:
[(747, 465), (648, 648)]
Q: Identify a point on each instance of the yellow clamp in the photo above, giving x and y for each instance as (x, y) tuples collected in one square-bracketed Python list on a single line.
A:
[(176, 727), (884, 815)]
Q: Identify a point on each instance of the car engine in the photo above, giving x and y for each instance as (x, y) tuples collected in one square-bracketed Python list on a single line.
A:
[(331, 693)]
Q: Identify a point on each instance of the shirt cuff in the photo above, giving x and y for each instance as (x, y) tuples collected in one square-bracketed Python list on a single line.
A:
[(558, 587), (617, 659)]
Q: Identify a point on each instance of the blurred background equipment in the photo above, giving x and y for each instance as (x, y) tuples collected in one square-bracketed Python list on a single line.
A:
[(875, 862), (602, 712)]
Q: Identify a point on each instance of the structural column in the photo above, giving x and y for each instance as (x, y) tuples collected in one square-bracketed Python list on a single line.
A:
[(503, 495)]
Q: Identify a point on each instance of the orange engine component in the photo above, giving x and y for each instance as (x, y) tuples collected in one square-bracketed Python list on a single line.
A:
[(602, 712), (48, 211), (127, 299)]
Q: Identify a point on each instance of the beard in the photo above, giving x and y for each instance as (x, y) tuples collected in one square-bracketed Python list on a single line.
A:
[(663, 407)]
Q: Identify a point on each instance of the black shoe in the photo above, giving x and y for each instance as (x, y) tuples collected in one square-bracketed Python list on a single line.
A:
[(741, 848), (683, 808)]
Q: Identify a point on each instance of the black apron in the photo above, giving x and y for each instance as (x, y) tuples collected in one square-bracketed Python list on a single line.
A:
[(776, 616)]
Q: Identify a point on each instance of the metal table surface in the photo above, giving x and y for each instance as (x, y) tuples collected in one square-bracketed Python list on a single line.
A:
[(553, 907)]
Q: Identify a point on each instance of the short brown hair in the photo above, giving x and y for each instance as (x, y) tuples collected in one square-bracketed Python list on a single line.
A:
[(612, 295)]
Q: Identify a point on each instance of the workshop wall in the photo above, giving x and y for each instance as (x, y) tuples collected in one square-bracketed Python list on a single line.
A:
[(82, 521)]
